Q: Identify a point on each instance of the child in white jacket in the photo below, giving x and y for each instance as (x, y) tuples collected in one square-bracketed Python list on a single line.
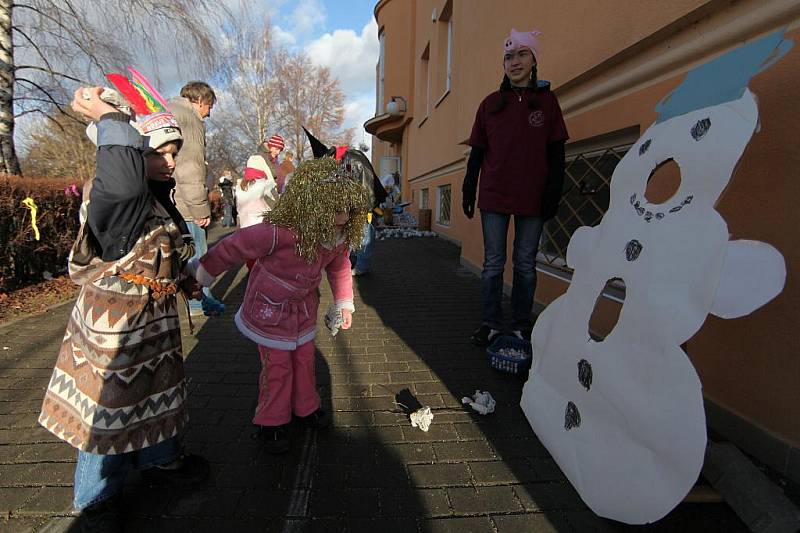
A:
[(256, 193)]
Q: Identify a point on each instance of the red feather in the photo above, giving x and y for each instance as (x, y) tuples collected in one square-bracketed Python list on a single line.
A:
[(130, 93)]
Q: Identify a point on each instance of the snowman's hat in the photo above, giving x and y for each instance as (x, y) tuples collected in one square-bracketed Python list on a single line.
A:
[(725, 78)]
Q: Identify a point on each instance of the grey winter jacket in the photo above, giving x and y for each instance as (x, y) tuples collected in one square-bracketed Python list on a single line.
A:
[(191, 193)]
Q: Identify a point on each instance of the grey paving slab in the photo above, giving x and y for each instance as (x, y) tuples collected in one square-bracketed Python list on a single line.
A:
[(371, 471), (538, 523)]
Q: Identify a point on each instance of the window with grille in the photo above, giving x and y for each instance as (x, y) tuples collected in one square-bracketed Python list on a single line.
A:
[(584, 201), (423, 199), (443, 214)]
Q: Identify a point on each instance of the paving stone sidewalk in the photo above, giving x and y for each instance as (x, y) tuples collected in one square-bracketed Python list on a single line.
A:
[(371, 471)]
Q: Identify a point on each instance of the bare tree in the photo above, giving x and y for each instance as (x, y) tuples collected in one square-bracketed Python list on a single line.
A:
[(248, 104), (309, 96), (49, 46), (224, 151), (59, 148), (269, 89)]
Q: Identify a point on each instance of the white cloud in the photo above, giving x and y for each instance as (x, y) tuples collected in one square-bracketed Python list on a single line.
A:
[(307, 16), (283, 37), (350, 57), (358, 110)]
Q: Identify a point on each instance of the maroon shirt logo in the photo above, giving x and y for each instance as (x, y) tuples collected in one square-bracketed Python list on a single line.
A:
[(536, 118)]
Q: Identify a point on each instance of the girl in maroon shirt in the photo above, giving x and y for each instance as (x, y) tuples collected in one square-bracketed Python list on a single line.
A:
[(517, 145)]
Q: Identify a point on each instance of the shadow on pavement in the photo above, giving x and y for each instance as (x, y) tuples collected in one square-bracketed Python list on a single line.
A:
[(339, 479), (429, 305)]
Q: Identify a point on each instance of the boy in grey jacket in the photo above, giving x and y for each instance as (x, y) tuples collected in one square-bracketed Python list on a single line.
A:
[(191, 108)]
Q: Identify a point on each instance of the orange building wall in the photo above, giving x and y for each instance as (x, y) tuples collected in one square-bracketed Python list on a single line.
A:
[(750, 365), (738, 360)]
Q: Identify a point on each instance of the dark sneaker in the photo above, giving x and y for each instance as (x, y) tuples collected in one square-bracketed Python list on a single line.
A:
[(212, 306), (191, 470), (483, 336), (274, 438), (104, 516), (319, 419), (524, 334)]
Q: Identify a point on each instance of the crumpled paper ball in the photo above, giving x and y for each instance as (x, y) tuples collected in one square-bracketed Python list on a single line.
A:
[(422, 418), (334, 319), (481, 401)]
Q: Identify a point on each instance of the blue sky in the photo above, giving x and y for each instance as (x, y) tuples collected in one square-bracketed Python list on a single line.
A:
[(351, 14), (341, 35)]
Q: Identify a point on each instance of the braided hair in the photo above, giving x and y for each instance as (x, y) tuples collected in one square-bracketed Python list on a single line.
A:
[(505, 86)]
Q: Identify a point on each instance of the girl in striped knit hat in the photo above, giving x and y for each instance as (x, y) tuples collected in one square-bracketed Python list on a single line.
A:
[(272, 148)]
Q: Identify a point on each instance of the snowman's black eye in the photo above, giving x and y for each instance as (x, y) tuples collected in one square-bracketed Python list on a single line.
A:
[(644, 146), (701, 128)]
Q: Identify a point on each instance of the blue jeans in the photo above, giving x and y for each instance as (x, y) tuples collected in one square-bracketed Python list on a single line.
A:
[(362, 258), (200, 249), (527, 231), (227, 215), (99, 477)]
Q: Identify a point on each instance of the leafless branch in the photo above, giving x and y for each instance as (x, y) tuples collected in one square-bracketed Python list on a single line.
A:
[(33, 44), (49, 71)]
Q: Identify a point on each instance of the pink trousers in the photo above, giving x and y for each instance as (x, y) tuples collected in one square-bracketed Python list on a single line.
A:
[(288, 384)]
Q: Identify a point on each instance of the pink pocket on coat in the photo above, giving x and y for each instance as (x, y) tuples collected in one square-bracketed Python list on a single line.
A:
[(264, 311)]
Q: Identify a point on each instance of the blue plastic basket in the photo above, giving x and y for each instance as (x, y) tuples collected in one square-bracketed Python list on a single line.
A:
[(506, 363)]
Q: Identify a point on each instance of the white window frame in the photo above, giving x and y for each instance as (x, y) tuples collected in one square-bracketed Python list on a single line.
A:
[(424, 198), (425, 61), (449, 54), (389, 165), (379, 104)]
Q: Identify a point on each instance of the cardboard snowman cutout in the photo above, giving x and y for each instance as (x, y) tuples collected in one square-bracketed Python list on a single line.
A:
[(624, 417)]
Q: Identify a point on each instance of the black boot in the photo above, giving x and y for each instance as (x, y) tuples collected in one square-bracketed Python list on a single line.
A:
[(101, 517), (274, 438), (319, 419), (191, 470), (483, 336)]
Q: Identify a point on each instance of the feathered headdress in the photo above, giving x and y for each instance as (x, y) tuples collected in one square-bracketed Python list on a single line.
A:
[(142, 96), (153, 120)]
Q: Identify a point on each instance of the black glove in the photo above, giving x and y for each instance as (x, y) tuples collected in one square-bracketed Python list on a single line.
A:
[(555, 180), (468, 203), (470, 187)]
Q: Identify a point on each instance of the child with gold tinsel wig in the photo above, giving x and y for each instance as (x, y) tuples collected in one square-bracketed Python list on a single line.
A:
[(315, 223)]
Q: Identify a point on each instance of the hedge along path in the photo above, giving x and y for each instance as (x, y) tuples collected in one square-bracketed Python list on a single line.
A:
[(23, 259)]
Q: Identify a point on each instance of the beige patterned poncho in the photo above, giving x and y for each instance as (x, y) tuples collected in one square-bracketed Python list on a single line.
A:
[(118, 384)]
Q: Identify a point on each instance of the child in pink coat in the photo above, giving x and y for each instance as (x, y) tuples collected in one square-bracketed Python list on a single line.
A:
[(315, 223)]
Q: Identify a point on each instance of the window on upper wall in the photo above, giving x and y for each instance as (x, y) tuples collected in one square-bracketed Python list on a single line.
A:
[(380, 75), (443, 212), (444, 60), (423, 199), (424, 88), (589, 166)]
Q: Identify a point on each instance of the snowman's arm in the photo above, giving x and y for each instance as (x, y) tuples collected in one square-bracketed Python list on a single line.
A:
[(579, 246), (753, 273)]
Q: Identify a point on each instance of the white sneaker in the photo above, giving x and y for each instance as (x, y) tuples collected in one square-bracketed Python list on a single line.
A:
[(522, 336)]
